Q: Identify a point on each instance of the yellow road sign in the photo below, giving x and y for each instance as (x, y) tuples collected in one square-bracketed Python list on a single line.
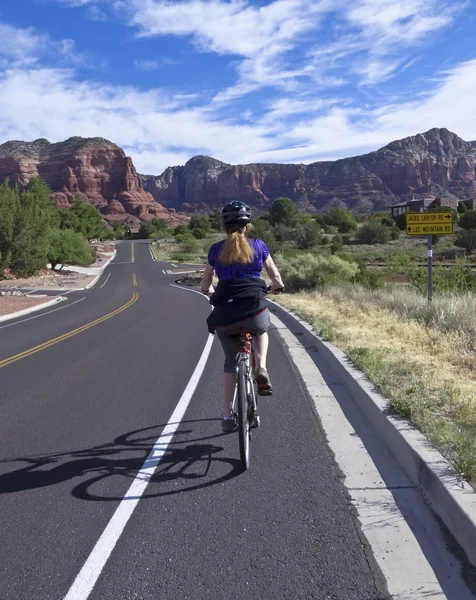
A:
[(432, 229), (428, 218)]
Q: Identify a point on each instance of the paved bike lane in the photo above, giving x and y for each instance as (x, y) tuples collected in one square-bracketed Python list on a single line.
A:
[(284, 529)]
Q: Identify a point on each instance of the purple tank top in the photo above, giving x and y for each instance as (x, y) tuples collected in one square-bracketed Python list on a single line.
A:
[(237, 271)]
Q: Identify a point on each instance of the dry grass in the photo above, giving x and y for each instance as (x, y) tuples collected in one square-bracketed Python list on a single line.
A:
[(416, 355)]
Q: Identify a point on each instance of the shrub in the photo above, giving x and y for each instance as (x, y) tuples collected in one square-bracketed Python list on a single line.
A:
[(309, 271), (369, 279), (395, 233), (468, 220), (307, 235), (181, 257), (180, 229), (387, 220), (373, 233), (466, 240), (337, 244), (283, 233), (66, 246), (462, 208), (188, 242), (342, 219)]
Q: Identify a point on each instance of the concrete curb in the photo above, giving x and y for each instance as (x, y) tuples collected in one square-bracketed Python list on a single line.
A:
[(96, 279), (152, 255), (451, 498), (27, 311)]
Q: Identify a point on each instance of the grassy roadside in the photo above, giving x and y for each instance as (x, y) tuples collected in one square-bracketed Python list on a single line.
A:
[(421, 357), (173, 251)]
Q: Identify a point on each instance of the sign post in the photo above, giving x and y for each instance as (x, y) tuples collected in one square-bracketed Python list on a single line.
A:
[(429, 224), (430, 267)]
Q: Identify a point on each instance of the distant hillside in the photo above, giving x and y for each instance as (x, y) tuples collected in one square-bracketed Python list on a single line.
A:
[(369, 182)]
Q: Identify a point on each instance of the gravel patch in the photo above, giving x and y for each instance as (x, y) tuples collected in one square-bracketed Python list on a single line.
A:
[(12, 304)]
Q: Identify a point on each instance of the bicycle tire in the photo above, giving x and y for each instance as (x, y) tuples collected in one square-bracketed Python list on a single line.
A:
[(243, 422)]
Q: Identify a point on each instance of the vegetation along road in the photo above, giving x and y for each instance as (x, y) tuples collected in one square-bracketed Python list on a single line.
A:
[(116, 481)]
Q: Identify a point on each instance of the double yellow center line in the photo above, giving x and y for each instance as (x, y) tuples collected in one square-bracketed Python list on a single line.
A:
[(61, 338), (134, 280)]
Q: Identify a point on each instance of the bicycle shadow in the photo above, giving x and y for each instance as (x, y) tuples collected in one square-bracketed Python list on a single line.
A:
[(187, 463)]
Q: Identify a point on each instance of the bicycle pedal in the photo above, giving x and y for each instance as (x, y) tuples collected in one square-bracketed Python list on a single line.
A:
[(264, 392)]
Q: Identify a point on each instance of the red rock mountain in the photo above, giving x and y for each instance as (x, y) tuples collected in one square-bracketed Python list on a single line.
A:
[(437, 161), (98, 171), (94, 169)]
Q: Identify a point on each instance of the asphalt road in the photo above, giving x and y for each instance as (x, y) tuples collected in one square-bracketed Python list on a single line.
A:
[(85, 393)]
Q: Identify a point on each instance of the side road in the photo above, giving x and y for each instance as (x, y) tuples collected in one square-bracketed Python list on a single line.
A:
[(41, 303)]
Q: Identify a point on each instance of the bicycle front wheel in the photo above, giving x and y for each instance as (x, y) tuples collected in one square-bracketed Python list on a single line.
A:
[(243, 421)]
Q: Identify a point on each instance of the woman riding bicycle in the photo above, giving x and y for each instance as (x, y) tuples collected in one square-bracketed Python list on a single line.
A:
[(239, 299)]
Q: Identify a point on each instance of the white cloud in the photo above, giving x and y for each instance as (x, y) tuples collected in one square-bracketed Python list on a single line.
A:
[(161, 130), (27, 47)]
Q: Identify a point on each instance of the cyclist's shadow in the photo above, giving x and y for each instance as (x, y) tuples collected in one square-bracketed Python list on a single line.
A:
[(186, 465)]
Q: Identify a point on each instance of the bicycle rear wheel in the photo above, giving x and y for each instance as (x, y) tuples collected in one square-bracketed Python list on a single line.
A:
[(243, 421)]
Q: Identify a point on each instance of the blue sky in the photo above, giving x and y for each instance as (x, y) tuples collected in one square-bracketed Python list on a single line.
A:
[(243, 81)]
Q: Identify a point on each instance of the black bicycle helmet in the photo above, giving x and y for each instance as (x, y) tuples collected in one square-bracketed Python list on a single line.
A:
[(236, 213)]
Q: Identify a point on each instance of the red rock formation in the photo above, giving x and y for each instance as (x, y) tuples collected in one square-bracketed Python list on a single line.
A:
[(93, 169), (438, 159)]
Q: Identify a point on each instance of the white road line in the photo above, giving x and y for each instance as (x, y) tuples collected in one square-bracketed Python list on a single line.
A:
[(173, 265), (89, 574), (31, 292), (42, 314), (181, 287), (397, 544), (105, 281)]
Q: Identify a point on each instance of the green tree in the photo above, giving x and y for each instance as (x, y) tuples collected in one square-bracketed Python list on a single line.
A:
[(307, 235), (341, 218), (283, 211), (66, 246), (9, 209), (373, 233), (146, 230), (160, 224), (467, 240), (30, 237), (199, 226), (262, 230), (42, 192), (215, 219), (462, 208), (468, 220), (83, 218), (180, 229)]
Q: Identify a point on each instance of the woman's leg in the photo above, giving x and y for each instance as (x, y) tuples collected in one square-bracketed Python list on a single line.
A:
[(230, 348), (261, 343), (229, 384)]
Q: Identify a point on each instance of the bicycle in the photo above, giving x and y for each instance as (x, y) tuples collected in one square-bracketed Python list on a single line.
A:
[(245, 403)]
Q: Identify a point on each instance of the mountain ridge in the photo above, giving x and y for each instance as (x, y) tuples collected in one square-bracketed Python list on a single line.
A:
[(97, 170), (435, 161)]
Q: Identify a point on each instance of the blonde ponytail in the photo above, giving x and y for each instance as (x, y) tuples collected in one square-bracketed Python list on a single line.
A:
[(236, 248)]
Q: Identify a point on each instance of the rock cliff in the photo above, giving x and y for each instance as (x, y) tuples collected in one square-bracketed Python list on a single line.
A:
[(94, 169), (437, 161)]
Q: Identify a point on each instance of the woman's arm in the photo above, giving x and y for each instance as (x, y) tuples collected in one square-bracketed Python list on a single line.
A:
[(207, 287), (273, 273)]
